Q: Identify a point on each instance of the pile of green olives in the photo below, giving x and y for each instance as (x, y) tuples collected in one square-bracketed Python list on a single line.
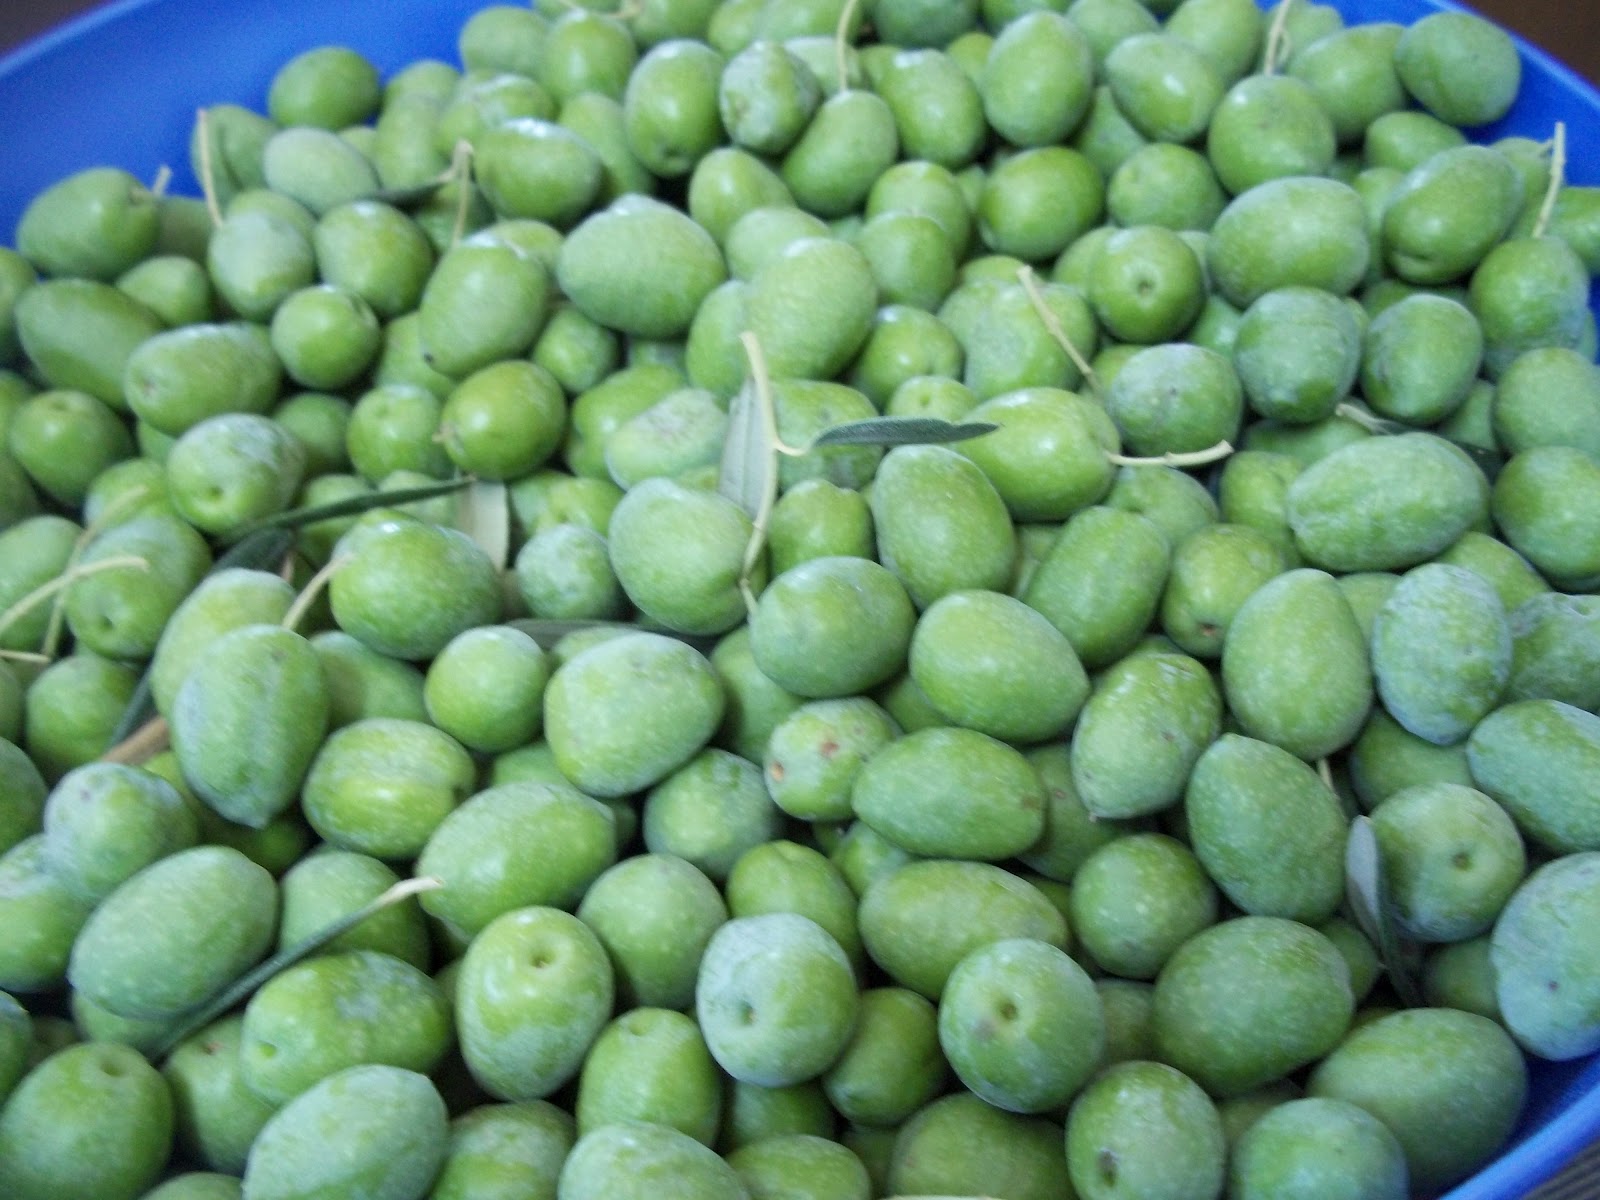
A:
[(812, 599)]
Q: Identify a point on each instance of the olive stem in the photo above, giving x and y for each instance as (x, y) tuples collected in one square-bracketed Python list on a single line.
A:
[(841, 43), (104, 520), (1277, 39), (149, 740), (163, 181), (208, 183), (313, 589), (1558, 179), (1325, 772), (1193, 458), (65, 580), (461, 168), (25, 656), (769, 492), (1368, 421), (1053, 326)]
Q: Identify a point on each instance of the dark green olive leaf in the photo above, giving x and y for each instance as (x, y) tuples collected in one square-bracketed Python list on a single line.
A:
[(297, 518), (901, 431), (483, 513), (1367, 892), (549, 632), (252, 981), (412, 197), (141, 707), (262, 550), (259, 551), (1490, 462)]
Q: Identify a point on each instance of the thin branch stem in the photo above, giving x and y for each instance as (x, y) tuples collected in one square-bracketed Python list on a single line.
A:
[(1052, 326), (65, 580), (841, 44), (149, 740), (1558, 180), (107, 517), (1277, 39), (208, 182), (313, 589), (1193, 458)]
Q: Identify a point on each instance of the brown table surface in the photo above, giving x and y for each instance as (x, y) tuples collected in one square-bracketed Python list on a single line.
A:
[(1567, 29)]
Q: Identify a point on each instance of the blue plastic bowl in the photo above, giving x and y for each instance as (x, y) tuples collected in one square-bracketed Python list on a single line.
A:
[(120, 86)]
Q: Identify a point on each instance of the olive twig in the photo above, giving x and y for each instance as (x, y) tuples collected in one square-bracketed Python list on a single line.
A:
[(107, 517), (208, 182), (1558, 179), (1277, 39), (1365, 419), (841, 44), (61, 582), (1052, 326), (1193, 458), (149, 740), (313, 589)]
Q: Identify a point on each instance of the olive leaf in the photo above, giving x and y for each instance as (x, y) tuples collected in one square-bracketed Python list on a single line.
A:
[(259, 551), (141, 707), (547, 632), (297, 518), (250, 982), (483, 513), (261, 546), (1490, 462), (416, 194), (1367, 893), (748, 461), (761, 483), (900, 431)]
